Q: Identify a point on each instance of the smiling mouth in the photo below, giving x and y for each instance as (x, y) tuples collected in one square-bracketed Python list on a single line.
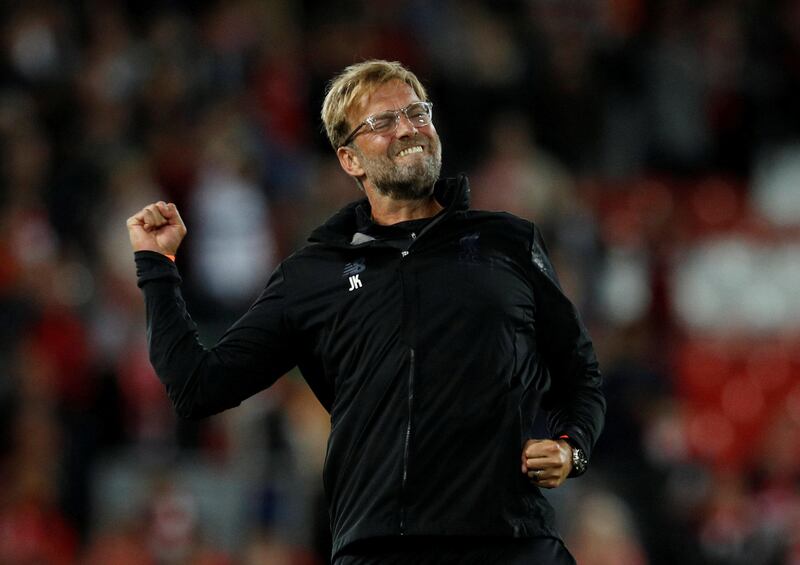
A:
[(410, 150)]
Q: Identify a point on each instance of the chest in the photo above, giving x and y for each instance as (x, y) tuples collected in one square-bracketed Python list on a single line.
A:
[(449, 283)]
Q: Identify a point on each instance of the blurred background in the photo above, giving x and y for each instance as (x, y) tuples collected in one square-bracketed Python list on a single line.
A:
[(657, 144)]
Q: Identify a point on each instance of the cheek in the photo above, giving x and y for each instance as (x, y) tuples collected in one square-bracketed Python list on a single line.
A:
[(430, 133), (376, 147)]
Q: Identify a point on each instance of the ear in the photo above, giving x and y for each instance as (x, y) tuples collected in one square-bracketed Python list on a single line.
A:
[(348, 159)]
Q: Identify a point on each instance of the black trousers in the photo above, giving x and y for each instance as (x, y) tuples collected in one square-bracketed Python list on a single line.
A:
[(455, 550)]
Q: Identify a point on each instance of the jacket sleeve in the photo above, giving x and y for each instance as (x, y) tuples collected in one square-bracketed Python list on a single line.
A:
[(250, 356), (575, 403)]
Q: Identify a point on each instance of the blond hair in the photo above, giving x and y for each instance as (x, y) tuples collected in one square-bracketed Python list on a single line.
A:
[(352, 84)]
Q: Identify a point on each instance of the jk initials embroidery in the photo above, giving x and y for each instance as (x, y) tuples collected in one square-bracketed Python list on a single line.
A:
[(355, 283)]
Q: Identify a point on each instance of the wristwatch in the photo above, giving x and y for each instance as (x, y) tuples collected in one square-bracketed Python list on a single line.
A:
[(579, 462)]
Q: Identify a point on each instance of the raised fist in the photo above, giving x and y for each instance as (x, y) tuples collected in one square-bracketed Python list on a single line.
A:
[(157, 227)]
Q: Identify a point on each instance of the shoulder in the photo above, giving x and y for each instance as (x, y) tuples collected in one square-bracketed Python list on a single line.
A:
[(518, 235), (505, 224), (310, 259)]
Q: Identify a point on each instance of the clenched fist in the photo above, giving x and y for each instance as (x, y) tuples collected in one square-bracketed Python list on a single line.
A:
[(157, 227), (547, 462)]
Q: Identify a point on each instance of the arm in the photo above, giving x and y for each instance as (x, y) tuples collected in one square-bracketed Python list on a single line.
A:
[(575, 403), (251, 355)]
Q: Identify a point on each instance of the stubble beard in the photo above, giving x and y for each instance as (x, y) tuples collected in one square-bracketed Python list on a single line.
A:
[(410, 179)]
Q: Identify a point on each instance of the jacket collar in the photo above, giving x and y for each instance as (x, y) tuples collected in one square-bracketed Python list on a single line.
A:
[(348, 225)]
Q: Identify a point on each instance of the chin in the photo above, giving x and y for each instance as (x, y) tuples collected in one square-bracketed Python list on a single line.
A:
[(405, 191), (412, 180)]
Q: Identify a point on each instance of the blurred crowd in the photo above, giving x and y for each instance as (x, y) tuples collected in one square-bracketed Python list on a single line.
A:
[(657, 143)]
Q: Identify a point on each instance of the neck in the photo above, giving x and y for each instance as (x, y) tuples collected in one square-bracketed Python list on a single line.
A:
[(387, 211)]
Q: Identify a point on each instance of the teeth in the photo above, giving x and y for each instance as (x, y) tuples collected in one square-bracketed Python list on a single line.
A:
[(410, 150)]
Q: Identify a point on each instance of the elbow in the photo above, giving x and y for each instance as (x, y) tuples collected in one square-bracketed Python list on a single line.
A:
[(190, 413), (196, 407), (187, 407)]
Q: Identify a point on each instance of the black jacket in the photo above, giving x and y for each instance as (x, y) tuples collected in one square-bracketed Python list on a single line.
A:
[(433, 351)]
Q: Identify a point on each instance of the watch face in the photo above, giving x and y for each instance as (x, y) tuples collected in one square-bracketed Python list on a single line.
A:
[(578, 460)]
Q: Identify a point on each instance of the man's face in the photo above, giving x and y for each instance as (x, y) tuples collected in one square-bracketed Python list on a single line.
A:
[(387, 165)]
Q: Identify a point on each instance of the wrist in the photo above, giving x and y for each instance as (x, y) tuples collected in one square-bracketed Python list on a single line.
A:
[(168, 255), (566, 449), (151, 253), (578, 459)]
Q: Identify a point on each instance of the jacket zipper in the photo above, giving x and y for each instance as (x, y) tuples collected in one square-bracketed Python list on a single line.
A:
[(407, 445), (415, 236)]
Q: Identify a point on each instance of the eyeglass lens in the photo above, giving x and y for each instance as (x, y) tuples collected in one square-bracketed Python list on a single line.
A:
[(418, 113)]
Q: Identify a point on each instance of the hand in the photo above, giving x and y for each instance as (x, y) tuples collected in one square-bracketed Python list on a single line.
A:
[(547, 462), (157, 227)]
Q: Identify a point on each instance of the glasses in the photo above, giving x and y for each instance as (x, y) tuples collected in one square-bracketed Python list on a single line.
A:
[(419, 114)]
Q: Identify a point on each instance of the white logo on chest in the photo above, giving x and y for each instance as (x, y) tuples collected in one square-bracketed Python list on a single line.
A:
[(355, 283)]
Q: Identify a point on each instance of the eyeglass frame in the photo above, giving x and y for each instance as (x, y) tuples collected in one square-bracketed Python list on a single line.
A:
[(369, 120)]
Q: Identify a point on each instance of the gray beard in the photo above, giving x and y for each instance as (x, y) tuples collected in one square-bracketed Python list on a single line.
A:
[(407, 181)]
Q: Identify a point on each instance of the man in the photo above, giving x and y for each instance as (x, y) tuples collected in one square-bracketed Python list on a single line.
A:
[(433, 334)]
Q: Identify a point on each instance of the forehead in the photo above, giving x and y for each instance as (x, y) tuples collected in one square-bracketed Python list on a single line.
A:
[(388, 96)]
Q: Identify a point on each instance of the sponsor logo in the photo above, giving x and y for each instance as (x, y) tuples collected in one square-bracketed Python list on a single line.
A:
[(354, 268)]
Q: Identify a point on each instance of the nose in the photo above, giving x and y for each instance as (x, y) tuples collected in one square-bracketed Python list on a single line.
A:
[(404, 126)]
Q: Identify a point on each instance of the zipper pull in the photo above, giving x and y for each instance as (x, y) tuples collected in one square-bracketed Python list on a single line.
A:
[(403, 253), (413, 235)]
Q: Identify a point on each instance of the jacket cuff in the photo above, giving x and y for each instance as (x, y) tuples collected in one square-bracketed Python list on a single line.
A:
[(576, 438), (151, 265)]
